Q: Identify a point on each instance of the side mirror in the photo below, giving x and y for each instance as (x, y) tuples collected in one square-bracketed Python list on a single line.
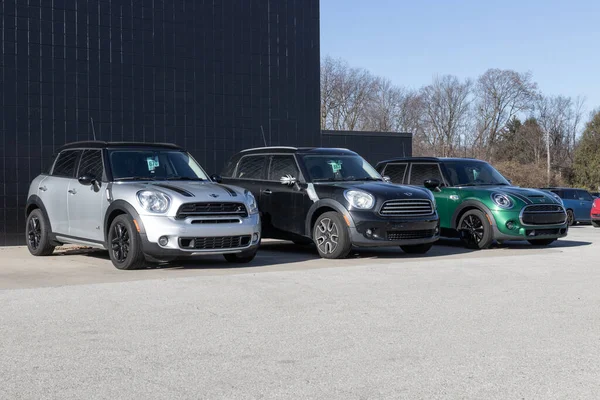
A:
[(509, 181), (86, 179), (216, 178), (288, 180), (386, 178), (432, 184)]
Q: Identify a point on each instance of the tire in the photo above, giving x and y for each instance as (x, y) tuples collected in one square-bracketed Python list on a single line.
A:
[(571, 218), (596, 224), (417, 248), (541, 242), (476, 230), (241, 258), (125, 244), (37, 234), (331, 236)]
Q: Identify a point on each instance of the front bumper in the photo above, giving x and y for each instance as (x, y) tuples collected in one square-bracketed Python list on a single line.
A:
[(521, 231), (368, 229), (216, 238)]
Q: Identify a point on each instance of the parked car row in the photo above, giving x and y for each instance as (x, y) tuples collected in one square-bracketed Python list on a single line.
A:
[(154, 202)]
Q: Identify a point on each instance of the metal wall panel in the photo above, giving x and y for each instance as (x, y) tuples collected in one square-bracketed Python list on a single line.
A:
[(373, 146), (202, 74)]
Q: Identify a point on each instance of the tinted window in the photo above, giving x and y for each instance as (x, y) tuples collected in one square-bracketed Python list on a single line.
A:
[(282, 166), (91, 164), (419, 173), (395, 172), (154, 164), (65, 163), (251, 167), (570, 195), (584, 195), (472, 173)]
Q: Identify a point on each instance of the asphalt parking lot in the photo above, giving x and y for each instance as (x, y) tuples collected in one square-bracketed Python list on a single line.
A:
[(514, 321)]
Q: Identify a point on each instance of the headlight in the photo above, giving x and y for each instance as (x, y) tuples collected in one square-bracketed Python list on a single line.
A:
[(359, 199), (502, 200), (251, 202), (152, 201)]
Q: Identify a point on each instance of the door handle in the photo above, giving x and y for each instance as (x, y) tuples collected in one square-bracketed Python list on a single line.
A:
[(73, 191), (43, 188), (267, 191)]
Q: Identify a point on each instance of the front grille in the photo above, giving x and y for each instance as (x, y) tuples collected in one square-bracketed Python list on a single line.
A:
[(406, 208), (211, 209), (214, 242), (544, 232), (543, 214), (407, 235), (216, 221)]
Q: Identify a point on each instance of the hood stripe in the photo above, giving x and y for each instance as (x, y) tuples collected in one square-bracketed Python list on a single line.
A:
[(229, 190), (519, 196), (181, 191)]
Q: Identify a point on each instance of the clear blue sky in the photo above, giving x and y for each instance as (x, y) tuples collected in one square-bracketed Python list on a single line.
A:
[(411, 41)]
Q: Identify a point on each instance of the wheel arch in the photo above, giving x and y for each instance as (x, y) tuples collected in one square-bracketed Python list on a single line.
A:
[(35, 203), (468, 206), (120, 207), (321, 207)]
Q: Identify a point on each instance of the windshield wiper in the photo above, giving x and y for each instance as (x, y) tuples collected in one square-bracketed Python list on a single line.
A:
[(183, 178), (367, 178), (326, 180), (136, 178)]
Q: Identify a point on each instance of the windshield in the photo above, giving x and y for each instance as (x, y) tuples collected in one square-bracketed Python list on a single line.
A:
[(154, 165), (473, 173), (339, 168)]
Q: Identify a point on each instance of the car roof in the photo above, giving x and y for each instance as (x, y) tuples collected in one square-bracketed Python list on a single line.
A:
[(96, 144), (298, 150), (428, 159)]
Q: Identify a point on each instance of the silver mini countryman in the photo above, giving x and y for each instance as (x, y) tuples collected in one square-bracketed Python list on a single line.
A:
[(143, 202)]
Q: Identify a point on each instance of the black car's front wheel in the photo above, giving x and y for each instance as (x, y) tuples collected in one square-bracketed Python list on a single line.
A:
[(38, 238), (331, 236), (125, 244), (475, 230)]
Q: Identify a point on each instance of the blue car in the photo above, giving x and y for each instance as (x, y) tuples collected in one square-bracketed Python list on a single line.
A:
[(577, 202)]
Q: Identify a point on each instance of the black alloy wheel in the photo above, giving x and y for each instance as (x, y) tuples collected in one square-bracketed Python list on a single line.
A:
[(34, 232), (476, 230), (38, 235), (124, 244), (570, 218)]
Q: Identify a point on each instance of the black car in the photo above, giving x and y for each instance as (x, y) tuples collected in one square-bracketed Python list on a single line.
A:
[(334, 198)]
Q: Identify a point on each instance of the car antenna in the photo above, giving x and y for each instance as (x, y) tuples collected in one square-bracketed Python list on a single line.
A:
[(93, 130), (263, 135)]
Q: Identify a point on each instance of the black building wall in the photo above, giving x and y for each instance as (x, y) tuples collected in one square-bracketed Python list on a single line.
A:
[(373, 146), (203, 74)]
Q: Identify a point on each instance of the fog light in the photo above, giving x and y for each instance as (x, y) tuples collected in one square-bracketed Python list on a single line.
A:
[(369, 232), (163, 241), (510, 225), (255, 238)]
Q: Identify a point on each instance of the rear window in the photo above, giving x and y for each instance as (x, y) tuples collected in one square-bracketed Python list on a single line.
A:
[(584, 195)]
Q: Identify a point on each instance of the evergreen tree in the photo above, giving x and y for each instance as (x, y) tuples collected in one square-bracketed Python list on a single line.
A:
[(586, 165)]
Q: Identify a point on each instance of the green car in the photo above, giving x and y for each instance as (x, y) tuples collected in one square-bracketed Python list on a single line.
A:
[(476, 203)]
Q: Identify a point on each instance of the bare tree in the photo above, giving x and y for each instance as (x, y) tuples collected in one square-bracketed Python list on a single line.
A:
[(446, 109), (501, 95)]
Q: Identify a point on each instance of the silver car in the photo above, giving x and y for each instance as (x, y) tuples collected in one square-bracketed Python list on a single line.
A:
[(142, 202)]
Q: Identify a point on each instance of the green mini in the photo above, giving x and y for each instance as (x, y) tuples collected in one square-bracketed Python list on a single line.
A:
[(476, 203)]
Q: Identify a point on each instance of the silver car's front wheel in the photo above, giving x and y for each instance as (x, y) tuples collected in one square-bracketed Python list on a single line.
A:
[(331, 236), (125, 244)]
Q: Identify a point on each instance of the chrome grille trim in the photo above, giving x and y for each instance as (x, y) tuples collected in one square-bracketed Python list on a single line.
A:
[(406, 208)]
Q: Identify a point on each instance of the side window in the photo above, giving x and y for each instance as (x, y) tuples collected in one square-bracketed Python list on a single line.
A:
[(419, 173), (559, 193), (584, 195), (282, 166), (91, 164), (570, 195), (251, 167), (395, 172), (65, 163)]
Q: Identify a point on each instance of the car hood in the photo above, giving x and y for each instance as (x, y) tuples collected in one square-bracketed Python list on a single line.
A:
[(525, 195), (383, 190), (193, 190)]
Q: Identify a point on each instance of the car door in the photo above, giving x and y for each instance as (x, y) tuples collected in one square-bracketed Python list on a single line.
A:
[(54, 190), (571, 202), (86, 200), (250, 173), (283, 199), (585, 203)]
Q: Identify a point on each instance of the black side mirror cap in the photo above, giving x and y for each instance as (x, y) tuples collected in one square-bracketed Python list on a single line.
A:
[(86, 180), (432, 184), (216, 178)]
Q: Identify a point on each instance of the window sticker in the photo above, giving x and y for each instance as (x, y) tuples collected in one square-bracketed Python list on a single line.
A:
[(152, 163), (336, 166)]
